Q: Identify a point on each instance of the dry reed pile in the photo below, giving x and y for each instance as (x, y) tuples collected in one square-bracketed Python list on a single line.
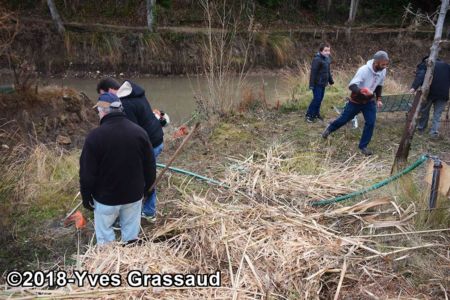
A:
[(271, 176), (263, 251)]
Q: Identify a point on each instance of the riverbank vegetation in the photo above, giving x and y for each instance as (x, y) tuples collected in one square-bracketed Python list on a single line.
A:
[(267, 156)]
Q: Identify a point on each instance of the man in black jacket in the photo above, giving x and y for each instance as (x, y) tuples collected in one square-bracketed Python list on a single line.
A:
[(437, 97), (139, 111), (117, 168), (320, 77)]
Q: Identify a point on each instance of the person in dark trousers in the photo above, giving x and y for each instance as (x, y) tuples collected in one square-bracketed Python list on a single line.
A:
[(138, 110), (117, 168), (437, 97), (320, 77), (366, 88)]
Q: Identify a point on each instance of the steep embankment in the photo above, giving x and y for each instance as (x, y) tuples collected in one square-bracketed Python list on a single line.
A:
[(47, 115), (179, 50)]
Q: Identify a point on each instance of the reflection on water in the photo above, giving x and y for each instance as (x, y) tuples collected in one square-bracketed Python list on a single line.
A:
[(175, 95)]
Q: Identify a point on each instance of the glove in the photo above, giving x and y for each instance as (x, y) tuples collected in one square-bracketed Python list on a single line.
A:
[(163, 119), (88, 204), (365, 92)]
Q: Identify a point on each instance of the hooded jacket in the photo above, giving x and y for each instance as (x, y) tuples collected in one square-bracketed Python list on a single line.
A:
[(320, 71), (367, 77), (117, 165), (139, 111), (441, 80)]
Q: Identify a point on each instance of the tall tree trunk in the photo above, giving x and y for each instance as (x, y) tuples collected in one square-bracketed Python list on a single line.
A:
[(353, 9), (405, 144), (150, 19), (55, 16), (329, 6)]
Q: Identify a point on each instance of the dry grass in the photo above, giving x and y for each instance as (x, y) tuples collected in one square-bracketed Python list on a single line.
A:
[(262, 252), (36, 184), (392, 86), (275, 175), (281, 47), (266, 248)]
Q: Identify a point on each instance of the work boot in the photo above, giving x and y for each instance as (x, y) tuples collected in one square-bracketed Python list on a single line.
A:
[(366, 151), (326, 133)]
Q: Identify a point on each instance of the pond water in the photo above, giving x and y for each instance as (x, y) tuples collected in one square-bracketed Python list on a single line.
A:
[(175, 95)]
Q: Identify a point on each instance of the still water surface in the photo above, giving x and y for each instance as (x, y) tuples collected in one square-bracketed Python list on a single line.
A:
[(175, 95)]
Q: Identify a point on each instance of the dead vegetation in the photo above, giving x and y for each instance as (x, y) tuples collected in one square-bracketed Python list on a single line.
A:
[(278, 174), (267, 247)]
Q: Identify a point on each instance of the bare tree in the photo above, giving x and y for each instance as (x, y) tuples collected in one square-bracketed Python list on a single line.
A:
[(353, 9), (150, 19), (55, 16), (422, 97), (220, 48)]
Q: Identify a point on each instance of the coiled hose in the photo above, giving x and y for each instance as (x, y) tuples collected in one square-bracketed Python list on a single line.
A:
[(375, 186)]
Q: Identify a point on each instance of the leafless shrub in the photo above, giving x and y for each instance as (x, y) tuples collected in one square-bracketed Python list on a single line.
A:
[(222, 55)]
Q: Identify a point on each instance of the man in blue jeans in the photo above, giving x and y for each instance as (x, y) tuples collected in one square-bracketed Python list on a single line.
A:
[(320, 77), (117, 168), (138, 110), (437, 96), (366, 88)]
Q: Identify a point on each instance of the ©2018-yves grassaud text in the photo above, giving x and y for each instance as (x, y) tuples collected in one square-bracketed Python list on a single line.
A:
[(134, 278)]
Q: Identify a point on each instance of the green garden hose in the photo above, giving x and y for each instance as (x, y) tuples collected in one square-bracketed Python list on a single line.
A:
[(375, 186), (417, 163), (195, 175)]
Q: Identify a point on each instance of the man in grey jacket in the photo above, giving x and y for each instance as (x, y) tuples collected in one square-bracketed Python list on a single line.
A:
[(366, 88)]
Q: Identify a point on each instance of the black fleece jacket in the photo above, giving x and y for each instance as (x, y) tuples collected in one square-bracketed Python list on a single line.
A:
[(117, 164), (139, 111), (320, 71), (441, 80)]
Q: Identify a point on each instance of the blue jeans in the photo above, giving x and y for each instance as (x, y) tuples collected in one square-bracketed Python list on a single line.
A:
[(149, 208), (439, 106), (105, 215), (314, 107), (351, 109)]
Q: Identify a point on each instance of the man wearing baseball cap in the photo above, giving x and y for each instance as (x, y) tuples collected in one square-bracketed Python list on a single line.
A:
[(138, 110), (366, 88), (117, 168)]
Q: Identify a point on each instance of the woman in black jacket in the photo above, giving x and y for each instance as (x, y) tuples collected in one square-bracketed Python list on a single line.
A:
[(320, 77)]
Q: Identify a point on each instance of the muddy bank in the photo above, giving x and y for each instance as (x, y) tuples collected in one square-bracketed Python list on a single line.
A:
[(46, 115), (168, 52)]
